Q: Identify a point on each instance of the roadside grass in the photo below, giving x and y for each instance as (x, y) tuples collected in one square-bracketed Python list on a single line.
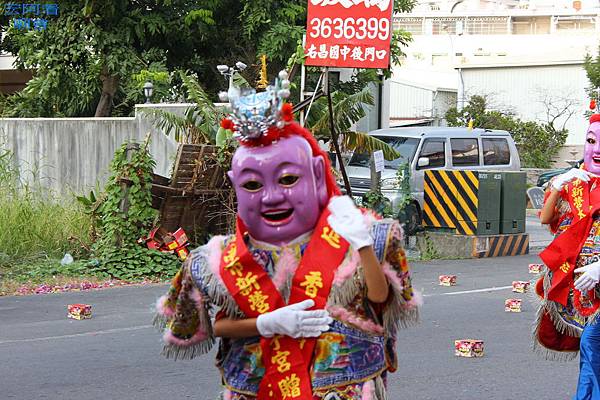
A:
[(37, 229)]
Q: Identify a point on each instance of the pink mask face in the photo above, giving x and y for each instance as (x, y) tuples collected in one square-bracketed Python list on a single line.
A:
[(591, 149), (280, 189)]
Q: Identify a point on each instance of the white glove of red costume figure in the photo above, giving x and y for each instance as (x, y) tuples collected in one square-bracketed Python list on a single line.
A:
[(294, 321), (590, 277), (575, 173), (347, 220)]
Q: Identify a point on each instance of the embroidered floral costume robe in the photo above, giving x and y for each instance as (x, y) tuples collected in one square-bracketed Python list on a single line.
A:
[(350, 360), (559, 326)]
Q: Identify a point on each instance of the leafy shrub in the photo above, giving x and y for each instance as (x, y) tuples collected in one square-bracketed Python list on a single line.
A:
[(125, 215)]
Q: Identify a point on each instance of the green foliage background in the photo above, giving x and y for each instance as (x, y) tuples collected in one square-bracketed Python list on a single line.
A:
[(119, 228), (93, 42)]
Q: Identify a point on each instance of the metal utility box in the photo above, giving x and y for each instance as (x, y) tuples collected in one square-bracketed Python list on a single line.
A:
[(514, 202), (466, 201)]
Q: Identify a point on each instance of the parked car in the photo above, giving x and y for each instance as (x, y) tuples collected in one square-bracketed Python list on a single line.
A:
[(432, 148), (544, 178)]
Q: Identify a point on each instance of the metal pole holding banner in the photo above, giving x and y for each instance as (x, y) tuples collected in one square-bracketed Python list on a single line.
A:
[(376, 165), (334, 136)]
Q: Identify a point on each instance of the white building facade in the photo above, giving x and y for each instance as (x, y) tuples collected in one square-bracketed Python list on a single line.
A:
[(525, 56)]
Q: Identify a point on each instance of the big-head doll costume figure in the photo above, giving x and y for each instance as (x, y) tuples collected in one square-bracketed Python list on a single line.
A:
[(569, 289), (307, 295)]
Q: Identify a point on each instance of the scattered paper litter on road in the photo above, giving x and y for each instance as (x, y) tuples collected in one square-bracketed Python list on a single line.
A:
[(468, 348), (520, 286), (535, 268), (79, 311), (512, 305), (447, 280)]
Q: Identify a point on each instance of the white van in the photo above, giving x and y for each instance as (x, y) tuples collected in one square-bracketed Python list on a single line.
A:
[(432, 148)]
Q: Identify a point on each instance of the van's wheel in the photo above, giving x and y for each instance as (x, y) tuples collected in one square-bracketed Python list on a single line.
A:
[(411, 218)]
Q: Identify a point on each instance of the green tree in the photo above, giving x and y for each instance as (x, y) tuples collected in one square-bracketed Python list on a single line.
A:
[(87, 60), (592, 70), (90, 57), (538, 143)]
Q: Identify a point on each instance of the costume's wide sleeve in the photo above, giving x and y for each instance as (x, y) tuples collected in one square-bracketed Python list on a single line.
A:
[(562, 210), (183, 316), (402, 306)]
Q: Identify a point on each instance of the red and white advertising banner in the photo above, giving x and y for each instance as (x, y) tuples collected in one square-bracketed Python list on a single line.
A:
[(349, 33)]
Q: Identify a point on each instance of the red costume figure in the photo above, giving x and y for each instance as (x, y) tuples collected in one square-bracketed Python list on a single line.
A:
[(567, 316)]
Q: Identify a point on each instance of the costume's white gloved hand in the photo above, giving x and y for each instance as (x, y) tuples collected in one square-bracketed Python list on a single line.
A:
[(294, 321), (575, 173), (347, 220), (590, 277)]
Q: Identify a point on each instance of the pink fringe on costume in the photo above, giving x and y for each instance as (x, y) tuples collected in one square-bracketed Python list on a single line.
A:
[(392, 276), (227, 395), (416, 301), (198, 337), (214, 250), (368, 390), (347, 316), (345, 271), (286, 266), (162, 309), (200, 334)]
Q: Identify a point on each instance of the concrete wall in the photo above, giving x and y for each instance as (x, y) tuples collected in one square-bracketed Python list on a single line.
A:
[(73, 154)]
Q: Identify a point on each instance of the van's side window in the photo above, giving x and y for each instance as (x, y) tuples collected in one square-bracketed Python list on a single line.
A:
[(435, 150), (465, 152), (495, 152)]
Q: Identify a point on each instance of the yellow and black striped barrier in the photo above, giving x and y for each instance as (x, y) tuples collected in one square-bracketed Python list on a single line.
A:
[(464, 201), (501, 245)]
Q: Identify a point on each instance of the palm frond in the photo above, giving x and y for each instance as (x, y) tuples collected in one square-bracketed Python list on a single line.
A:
[(168, 122), (361, 142), (195, 92), (347, 110), (240, 81)]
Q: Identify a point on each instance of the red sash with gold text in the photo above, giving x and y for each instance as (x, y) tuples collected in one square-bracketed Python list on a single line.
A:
[(561, 255), (287, 360)]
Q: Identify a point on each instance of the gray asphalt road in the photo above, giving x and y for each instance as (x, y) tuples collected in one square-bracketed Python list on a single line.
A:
[(115, 355)]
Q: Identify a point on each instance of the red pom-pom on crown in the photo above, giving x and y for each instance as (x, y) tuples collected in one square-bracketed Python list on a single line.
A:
[(226, 123), (287, 112)]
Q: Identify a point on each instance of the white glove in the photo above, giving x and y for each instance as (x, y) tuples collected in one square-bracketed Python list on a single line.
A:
[(348, 222), (590, 277), (294, 321), (575, 173)]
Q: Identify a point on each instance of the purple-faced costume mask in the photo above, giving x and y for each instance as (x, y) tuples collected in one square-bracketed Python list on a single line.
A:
[(281, 189), (281, 177), (591, 148)]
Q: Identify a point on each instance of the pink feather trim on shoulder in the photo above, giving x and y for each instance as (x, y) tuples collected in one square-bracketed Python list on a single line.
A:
[(162, 309), (368, 390), (392, 276), (370, 218), (286, 267), (344, 315), (198, 337), (214, 248), (416, 301), (346, 269)]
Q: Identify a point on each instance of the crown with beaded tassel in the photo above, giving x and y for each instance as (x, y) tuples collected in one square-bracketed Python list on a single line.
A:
[(258, 118)]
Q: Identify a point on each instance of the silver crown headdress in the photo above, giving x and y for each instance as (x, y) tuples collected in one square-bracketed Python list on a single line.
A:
[(254, 113)]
